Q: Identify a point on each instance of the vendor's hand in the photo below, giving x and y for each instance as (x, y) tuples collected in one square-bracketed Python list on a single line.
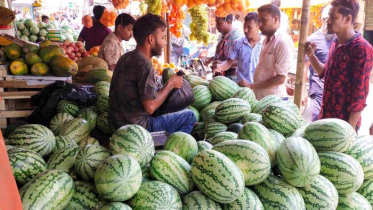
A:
[(310, 48), (216, 68), (244, 83), (207, 61), (175, 81)]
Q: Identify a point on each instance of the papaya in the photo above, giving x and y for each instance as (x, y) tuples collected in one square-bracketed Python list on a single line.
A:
[(32, 58), (40, 69), (20, 59), (30, 48), (97, 75), (62, 66), (13, 51), (45, 43), (47, 53), (88, 63), (18, 68)]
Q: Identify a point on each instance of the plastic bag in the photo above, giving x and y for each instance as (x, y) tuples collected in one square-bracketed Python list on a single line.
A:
[(47, 100)]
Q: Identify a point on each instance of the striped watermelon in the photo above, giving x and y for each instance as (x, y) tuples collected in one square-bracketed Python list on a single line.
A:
[(222, 88), (195, 112), (260, 106), (156, 195), (275, 193), (223, 136), (213, 128), (202, 96), (198, 131), (246, 94), (299, 132), (330, 135), (134, 141), (170, 168), (146, 174), (209, 108), (33, 137), (89, 115), (249, 156), (195, 80), (281, 119), (103, 103), (25, 164), (232, 110), (65, 106), (49, 190), (344, 171), (64, 159), (353, 201), (204, 145), (89, 140), (196, 200), (76, 129), (118, 178), (256, 132), (9, 147), (85, 196), (248, 201), (102, 88), (103, 123), (115, 206), (209, 116), (298, 161), (217, 176), (61, 142), (88, 159), (366, 190), (320, 194), (278, 137), (362, 151), (183, 145), (252, 117), (58, 121), (11, 127)]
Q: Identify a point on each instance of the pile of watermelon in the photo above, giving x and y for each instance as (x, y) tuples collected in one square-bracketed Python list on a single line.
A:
[(243, 154)]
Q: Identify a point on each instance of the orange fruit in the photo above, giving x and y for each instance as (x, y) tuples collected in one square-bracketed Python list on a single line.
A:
[(172, 65)]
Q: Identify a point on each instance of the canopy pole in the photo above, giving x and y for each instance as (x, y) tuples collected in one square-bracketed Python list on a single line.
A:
[(299, 82)]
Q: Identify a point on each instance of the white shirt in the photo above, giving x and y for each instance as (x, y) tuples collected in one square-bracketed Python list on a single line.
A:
[(284, 22)]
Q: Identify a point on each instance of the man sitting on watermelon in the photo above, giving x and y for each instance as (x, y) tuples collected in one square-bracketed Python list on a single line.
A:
[(133, 96)]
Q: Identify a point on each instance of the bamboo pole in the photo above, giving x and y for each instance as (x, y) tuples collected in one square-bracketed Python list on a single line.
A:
[(299, 82), (167, 51)]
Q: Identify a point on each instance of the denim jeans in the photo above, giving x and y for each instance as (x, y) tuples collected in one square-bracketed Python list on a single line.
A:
[(177, 121), (316, 100)]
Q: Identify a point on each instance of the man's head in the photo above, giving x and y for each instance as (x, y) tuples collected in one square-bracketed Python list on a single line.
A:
[(269, 18), (342, 15), (276, 2), (150, 31), (224, 24), (251, 25), (124, 26), (237, 17), (44, 19), (98, 10)]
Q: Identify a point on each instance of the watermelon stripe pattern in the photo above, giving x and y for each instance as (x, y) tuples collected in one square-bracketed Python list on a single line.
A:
[(366, 190), (90, 115), (103, 123), (64, 159), (85, 196), (89, 140), (222, 88), (362, 151), (103, 103), (245, 94), (281, 119), (64, 106), (198, 131), (204, 145), (195, 112), (248, 201), (278, 137), (196, 80), (232, 110), (223, 136), (183, 145), (196, 200), (252, 117), (210, 107), (353, 201), (102, 88), (115, 206), (260, 106), (59, 120), (202, 96), (61, 142), (213, 128), (76, 129)]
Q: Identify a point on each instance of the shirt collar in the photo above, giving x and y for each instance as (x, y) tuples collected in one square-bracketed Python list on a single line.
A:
[(260, 41), (349, 41), (115, 37)]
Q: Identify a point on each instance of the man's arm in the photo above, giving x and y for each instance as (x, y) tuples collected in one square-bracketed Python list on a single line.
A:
[(272, 82), (354, 117), (225, 65), (316, 64)]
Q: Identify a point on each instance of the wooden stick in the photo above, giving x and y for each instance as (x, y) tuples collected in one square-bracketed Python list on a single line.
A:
[(168, 46)]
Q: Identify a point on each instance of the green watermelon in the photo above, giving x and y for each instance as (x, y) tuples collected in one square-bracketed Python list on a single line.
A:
[(260, 106), (89, 140), (88, 159), (209, 116), (232, 110), (26, 164), (344, 171), (278, 137), (353, 201), (146, 174), (366, 190), (196, 200), (134, 141), (213, 128), (103, 103), (196, 80), (183, 145), (115, 206), (195, 112), (248, 201), (362, 151), (330, 135), (33, 137), (61, 142), (118, 178), (65, 106), (156, 195), (246, 94), (204, 145), (85, 196), (89, 115), (103, 123), (202, 96), (58, 121), (198, 131), (222, 88), (217, 176), (252, 117), (223, 136), (76, 129), (12, 126), (170, 168), (299, 132), (102, 88), (49, 190), (281, 119), (249, 156), (64, 159), (209, 108)]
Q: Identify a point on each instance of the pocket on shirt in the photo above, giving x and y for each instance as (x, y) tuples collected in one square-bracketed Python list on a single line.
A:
[(269, 61)]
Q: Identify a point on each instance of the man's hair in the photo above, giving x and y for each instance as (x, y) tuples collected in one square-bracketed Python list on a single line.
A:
[(237, 17), (227, 18), (124, 19), (147, 25), (347, 7), (276, 2), (252, 16), (272, 9), (44, 17), (98, 10)]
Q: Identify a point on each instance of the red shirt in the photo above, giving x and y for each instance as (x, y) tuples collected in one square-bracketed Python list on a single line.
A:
[(95, 35), (346, 74)]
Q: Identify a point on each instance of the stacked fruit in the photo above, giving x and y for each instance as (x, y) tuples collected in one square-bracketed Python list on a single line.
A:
[(94, 51), (199, 24), (108, 18), (224, 8), (154, 6), (28, 30), (120, 4), (176, 19), (75, 51)]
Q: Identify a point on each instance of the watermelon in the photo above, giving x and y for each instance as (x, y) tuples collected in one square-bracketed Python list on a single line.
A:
[(102, 88), (61, 142), (195, 112), (249, 156), (196, 200), (330, 135), (320, 194), (222, 88), (85, 196), (260, 106), (366, 190), (183, 145), (25, 164), (213, 128), (65, 106), (278, 137), (198, 131), (344, 171), (202, 96), (210, 107), (204, 145), (248, 201), (299, 132), (118, 178), (209, 116), (88, 159), (146, 174), (362, 151), (196, 80), (245, 94), (12, 126), (89, 140), (115, 206), (353, 201), (76, 129), (235, 127), (217, 176), (134, 141), (275, 193), (33, 137), (252, 117), (89, 115), (223, 136), (281, 119), (58, 121), (64, 159), (170, 168), (232, 110), (156, 195), (256, 132), (103, 123), (103, 103), (49, 190)]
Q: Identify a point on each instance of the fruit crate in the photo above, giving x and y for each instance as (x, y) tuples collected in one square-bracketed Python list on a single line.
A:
[(16, 92)]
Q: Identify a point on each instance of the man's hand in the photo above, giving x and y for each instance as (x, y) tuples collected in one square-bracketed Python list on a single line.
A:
[(310, 48), (244, 83), (207, 61), (175, 81)]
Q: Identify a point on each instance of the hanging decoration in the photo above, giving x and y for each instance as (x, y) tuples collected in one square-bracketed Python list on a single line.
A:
[(176, 19), (108, 18)]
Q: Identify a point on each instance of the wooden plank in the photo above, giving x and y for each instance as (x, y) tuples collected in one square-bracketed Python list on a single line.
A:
[(18, 84), (368, 15), (15, 114), (18, 94), (24, 105)]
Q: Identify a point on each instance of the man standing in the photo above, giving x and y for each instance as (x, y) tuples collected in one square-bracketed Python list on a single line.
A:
[(275, 58), (348, 66), (245, 50), (45, 19), (284, 23), (133, 97)]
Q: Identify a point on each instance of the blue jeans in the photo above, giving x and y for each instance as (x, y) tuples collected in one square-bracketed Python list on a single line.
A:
[(177, 121), (316, 100)]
